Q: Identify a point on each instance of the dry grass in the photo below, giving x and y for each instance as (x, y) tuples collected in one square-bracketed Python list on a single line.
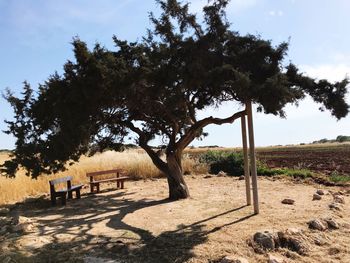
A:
[(137, 164)]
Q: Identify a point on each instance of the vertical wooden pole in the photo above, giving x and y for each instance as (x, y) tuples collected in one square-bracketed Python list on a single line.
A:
[(246, 162), (252, 157)]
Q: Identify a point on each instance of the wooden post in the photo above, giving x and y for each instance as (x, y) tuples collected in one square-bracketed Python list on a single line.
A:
[(246, 162), (252, 157)]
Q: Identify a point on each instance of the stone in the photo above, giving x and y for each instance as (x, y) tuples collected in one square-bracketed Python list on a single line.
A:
[(320, 241), (316, 197), (332, 224), (320, 192), (339, 199), (275, 259), (333, 251), (221, 174), (335, 206), (233, 259), (288, 201), (266, 240), (208, 176), (241, 178), (317, 225), (293, 241)]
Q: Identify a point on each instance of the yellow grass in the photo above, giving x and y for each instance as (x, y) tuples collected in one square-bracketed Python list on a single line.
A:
[(137, 164)]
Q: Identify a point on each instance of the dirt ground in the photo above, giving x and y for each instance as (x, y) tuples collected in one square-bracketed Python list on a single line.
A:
[(138, 224)]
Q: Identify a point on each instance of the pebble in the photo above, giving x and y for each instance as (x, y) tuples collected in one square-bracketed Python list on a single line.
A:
[(317, 224), (320, 192), (288, 201), (316, 197)]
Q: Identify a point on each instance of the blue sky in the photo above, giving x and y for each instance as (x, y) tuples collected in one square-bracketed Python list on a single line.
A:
[(36, 36)]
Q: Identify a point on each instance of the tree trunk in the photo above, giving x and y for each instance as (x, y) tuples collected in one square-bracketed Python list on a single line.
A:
[(177, 186)]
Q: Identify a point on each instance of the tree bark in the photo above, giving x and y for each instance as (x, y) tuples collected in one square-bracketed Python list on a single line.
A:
[(177, 186)]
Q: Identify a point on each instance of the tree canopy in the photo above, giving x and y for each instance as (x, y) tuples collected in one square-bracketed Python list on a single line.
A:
[(156, 87)]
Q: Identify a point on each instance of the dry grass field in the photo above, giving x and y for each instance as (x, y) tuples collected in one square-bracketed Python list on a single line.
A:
[(137, 164)]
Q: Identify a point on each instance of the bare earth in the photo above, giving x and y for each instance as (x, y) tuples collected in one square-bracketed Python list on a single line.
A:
[(138, 224)]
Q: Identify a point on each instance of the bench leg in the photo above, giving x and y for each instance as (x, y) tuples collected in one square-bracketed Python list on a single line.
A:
[(63, 198), (77, 192), (91, 188), (53, 200), (70, 195), (122, 184), (98, 187), (118, 184)]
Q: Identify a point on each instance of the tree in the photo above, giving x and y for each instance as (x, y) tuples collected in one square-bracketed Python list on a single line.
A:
[(156, 87)]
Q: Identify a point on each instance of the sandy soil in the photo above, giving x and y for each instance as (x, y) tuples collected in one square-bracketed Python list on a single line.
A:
[(138, 224)]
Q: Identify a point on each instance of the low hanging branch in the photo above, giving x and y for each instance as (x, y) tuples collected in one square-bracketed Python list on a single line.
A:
[(156, 87)]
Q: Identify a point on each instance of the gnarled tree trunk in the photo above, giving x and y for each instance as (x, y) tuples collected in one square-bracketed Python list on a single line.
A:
[(177, 186)]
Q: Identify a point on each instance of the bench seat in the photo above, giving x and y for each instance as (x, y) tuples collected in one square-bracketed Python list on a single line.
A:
[(119, 178)]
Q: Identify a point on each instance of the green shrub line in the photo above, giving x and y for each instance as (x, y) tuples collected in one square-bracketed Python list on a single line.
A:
[(336, 177), (232, 163)]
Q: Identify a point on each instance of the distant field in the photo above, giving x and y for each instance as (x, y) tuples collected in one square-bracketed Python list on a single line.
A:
[(322, 158)]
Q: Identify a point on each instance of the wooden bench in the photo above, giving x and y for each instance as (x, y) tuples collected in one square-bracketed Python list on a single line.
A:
[(118, 176), (63, 192)]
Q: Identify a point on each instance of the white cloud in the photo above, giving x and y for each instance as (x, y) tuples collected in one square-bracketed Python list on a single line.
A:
[(332, 72)]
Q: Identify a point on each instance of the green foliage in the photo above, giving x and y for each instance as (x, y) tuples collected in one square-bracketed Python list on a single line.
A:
[(231, 163), (263, 170), (342, 138), (154, 87), (339, 178)]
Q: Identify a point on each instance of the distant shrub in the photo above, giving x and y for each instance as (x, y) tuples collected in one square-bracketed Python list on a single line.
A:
[(342, 138), (231, 163)]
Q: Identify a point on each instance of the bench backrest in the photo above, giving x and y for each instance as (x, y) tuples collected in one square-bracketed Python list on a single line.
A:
[(60, 180), (113, 171)]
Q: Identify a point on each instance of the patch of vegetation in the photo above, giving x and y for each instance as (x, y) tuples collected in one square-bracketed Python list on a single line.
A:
[(264, 170), (340, 138), (336, 177), (231, 163)]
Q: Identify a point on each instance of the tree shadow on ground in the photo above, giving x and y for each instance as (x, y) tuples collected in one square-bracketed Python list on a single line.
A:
[(73, 233)]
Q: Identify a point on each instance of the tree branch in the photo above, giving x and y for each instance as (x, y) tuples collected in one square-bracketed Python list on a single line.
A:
[(161, 165), (193, 132)]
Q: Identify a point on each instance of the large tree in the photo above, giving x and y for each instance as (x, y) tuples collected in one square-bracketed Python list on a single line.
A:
[(156, 87)]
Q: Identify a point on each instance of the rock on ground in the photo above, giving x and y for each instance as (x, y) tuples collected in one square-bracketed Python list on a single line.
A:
[(320, 192), (317, 224), (288, 201), (266, 240), (335, 206), (316, 197), (339, 199)]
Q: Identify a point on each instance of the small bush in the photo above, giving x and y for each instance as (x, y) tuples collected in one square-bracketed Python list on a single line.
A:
[(339, 178), (231, 163)]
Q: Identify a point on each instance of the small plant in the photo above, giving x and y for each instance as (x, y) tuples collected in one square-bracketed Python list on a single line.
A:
[(336, 177)]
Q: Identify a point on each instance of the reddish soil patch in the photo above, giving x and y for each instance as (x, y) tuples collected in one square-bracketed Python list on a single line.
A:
[(319, 159)]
